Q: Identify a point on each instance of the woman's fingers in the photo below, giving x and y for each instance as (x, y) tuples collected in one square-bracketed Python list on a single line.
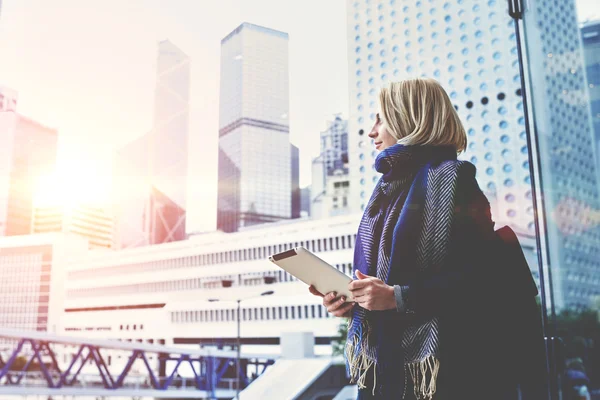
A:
[(314, 291), (329, 299), (344, 310), (337, 304)]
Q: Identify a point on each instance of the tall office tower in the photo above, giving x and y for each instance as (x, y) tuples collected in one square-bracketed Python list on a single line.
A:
[(561, 111), (88, 221), (255, 169), (27, 154), (151, 172), (470, 47), (330, 173), (590, 34), (32, 278)]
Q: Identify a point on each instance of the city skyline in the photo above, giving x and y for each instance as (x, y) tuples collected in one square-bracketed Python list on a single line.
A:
[(318, 76)]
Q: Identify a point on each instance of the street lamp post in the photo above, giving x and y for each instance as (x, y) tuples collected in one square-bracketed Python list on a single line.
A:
[(238, 356), (228, 283)]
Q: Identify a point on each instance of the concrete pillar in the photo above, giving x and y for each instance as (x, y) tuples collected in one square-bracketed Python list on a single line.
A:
[(297, 345)]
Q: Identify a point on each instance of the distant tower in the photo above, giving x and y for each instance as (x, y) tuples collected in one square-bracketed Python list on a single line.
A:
[(151, 171), (257, 166), (330, 189)]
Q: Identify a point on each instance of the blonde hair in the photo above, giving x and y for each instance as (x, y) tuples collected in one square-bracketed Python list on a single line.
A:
[(419, 112)]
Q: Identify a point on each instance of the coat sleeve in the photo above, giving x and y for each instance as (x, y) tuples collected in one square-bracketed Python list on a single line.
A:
[(461, 276)]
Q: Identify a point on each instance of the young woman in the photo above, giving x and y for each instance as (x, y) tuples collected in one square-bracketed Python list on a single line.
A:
[(417, 320)]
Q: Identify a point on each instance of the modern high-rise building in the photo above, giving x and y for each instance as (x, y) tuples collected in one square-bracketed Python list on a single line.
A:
[(151, 172), (470, 48), (91, 222), (590, 35), (256, 173), (564, 130), (475, 62), (330, 172), (27, 154)]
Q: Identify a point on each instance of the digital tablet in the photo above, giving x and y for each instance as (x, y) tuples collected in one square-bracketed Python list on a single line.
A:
[(311, 270)]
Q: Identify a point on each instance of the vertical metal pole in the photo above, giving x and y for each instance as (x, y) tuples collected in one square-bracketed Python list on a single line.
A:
[(516, 11), (237, 360)]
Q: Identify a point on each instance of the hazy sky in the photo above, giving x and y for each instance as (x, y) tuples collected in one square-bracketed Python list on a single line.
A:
[(87, 68)]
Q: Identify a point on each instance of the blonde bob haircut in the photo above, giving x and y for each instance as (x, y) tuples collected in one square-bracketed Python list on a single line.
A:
[(419, 112)]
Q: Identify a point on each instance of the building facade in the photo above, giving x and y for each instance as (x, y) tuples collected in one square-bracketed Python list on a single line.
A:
[(91, 222), (330, 172), (151, 172), (32, 276), (470, 48), (257, 165), (590, 36), (564, 130), (392, 40), (27, 154), (174, 293)]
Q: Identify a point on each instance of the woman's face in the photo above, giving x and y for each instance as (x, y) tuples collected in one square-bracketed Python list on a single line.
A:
[(381, 137)]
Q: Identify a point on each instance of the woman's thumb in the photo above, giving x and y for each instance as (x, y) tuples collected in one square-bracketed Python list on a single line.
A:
[(360, 275)]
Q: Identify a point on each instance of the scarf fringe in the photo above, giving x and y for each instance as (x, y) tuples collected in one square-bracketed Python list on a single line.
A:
[(424, 375), (359, 362)]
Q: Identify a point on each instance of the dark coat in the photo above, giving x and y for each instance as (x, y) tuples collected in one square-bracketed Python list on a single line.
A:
[(490, 326), (485, 299)]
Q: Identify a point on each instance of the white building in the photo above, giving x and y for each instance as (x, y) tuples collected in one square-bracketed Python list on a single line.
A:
[(330, 172), (255, 156), (163, 293), (91, 222), (469, 46), (32, 279)]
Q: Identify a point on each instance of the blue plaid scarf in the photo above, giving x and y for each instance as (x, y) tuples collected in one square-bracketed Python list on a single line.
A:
[(405, 231)]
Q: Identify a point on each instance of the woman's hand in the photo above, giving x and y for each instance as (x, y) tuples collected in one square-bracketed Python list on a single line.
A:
[(372, 293), (335, 306)]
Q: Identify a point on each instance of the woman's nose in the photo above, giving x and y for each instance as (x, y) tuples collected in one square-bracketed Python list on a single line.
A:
[(373, 133)]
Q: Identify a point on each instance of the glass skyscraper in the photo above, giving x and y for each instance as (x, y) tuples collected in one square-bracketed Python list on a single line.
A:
[(560, 111), (470, 47), (151, 172), (257, 165), (590, 35)]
